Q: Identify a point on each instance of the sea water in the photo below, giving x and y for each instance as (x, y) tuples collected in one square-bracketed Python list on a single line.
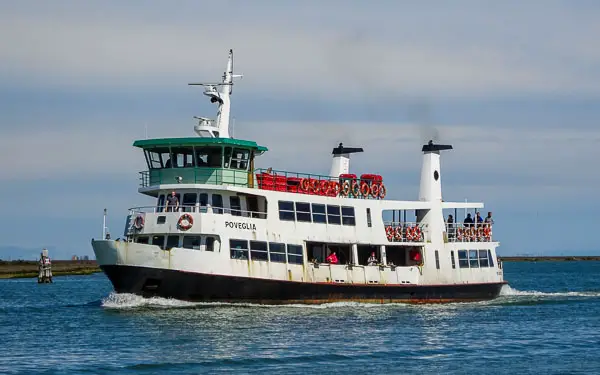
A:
[(547, 321)]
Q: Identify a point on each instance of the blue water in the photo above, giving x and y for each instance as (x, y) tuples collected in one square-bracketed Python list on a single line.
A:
[(546, 322)]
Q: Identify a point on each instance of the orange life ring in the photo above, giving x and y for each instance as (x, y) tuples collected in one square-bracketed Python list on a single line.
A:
[(389, 232), (417, 234), (324, 187), (304, 185), (138, 222), (185, 222), (479, 233), (314, 186), (355, 189), (487, 232), (365, 189), (382, 191), (459, 234), (408, 234), (345, 190), (398, 233), (375, 190), (334, 188)]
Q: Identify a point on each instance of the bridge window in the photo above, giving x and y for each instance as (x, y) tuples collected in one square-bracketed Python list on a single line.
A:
[(209, 157), (277, 252), (303, 211), (463, 259), (258, 250), (333, 214), (153, 159), (238, 159), (238, 249), (295, 254), (348, 216), (191, 242), (318, 213), (182, 157), (286, 210)]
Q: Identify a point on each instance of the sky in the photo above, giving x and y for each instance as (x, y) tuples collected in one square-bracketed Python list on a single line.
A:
[(514, 86)]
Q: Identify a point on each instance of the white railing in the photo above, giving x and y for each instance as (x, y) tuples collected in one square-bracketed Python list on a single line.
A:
[(476, 232), (405, 231), (198, 209)]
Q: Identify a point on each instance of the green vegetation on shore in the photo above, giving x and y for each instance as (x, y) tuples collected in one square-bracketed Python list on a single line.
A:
[(25, 269)]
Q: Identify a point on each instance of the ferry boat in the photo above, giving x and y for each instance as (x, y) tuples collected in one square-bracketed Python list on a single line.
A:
[(237, 233)]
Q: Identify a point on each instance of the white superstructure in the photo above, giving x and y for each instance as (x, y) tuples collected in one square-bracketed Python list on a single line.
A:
[(238, 233)]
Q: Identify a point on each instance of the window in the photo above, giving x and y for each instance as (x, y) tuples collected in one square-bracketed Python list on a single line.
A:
[(318, 213), (203, 202), (437, 260), (303, 211), (348, 216), (210, 243), (238, 249), (182, 157), (161, 219), (161, 203), (153, 160), (369, 217), (483, 258), (191, 242), (295, 254), (490, 259), (463, 259), (473, 259), (159, 241), (452, 258), (333, 214), (258, 250), (142, 239), (209, 157), (189, 202), (217, 202), (236, 205), (277, 252), (172, 241), (286, 210), (165, 157), (239, 159)]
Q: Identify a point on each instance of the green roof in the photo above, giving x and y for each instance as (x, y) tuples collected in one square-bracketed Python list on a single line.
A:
[(196, 141)]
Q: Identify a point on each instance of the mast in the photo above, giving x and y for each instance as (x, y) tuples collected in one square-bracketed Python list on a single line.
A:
[(220, 94)]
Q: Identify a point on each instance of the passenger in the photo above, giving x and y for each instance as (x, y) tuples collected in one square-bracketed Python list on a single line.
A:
[(468, 221), (172, 203), (332, 258), (372, 261), (488, 219), (478, 219), (450, 225)]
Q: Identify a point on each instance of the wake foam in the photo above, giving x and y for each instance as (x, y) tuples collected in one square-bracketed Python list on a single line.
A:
[(509, 292)]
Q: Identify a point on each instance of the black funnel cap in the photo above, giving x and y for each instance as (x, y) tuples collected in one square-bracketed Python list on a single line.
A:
[(430, 147), (346, 150)]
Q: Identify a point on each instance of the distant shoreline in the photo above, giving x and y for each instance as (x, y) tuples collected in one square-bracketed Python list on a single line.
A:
[(26, 269)]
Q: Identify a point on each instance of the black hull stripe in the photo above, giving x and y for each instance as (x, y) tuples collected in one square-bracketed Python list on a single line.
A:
[(150, 282)]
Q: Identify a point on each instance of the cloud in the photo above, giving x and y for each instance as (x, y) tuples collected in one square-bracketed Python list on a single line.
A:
[(443, 51)]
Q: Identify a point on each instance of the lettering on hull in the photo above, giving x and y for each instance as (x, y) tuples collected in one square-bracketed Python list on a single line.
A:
[(238, 225)]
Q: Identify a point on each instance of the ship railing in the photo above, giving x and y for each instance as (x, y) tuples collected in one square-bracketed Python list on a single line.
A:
[(405, 231), (198, 209), (196, 175), (370, 187), (476, 232)]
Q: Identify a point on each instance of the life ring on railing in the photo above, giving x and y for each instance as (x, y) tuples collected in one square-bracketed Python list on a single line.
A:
[(334, 188), (382, 191), (345, 190), (185, 222), (459, 234), (355, 189), (304, 185), (389, 232), (324, 187), (375, 190), (479, 234), (472, 234), (398, 234), (417, 234), (365, 190), (314, 186), (408, 234), (487, 233), (138, 222)]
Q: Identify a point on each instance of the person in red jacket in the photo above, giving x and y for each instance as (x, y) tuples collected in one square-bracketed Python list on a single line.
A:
[(332, 258)]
